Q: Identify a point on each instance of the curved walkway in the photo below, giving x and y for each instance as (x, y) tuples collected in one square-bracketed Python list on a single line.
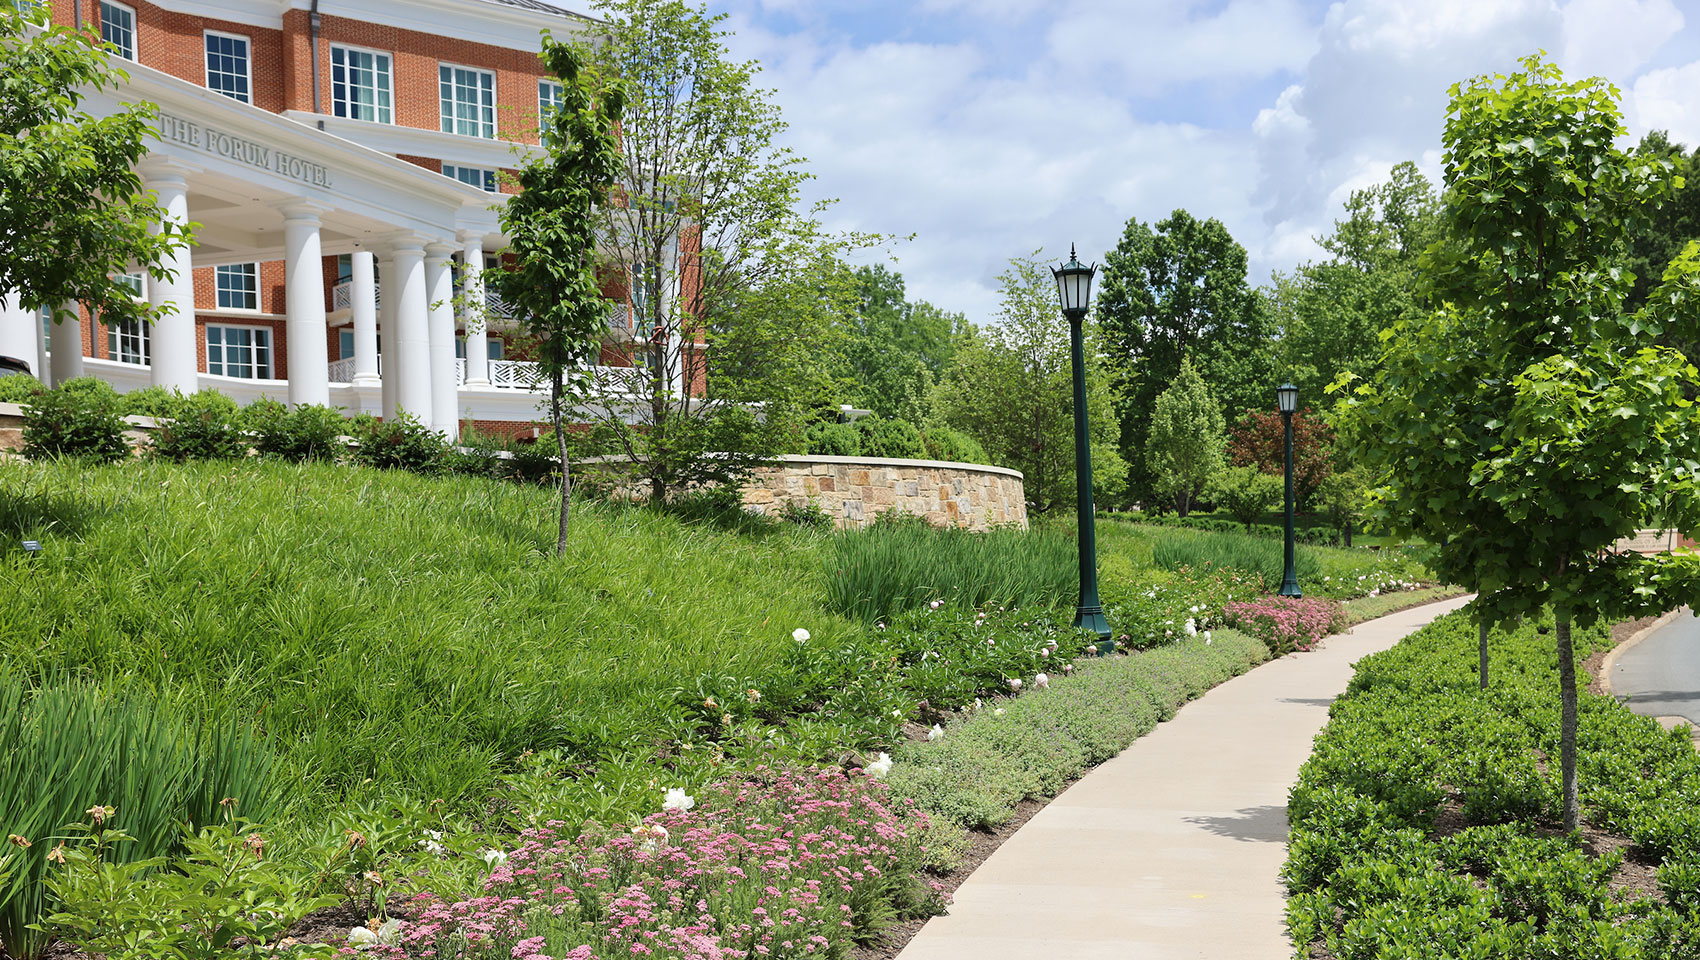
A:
[(1172, 848)]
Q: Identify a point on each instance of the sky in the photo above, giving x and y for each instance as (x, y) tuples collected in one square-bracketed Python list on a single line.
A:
[(991, 129)]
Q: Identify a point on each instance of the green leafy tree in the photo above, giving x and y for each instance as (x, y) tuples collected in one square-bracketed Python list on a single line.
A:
[(710, 241), (1529, 421), (1344, 498), (73, 212), (894, 349), (1187, 439), (1012, 389), (1174, 290), (1247, 493), (552, 226), (1260, 440), (1670, 228)]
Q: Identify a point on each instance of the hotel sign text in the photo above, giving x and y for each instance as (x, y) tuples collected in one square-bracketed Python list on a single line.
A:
[(214, 141)]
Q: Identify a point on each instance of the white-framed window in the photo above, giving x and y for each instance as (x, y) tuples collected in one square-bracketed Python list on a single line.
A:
[(229, 67), (118, 27), (548, 101), (127, 340), (345, 343), (239, 351), (238, 286), (360, 84), (468, 98), (493, 348), (481, 177)]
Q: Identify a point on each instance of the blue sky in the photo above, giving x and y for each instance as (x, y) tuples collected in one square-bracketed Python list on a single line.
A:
[(951, 119)]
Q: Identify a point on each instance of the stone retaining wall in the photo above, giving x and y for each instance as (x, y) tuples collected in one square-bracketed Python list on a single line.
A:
[(855, 490)]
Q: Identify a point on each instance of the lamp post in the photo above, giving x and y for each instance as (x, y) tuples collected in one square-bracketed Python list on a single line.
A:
[(1074, 290), (1287, 401)]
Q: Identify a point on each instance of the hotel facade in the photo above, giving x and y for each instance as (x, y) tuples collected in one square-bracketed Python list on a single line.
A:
[(342, 160)]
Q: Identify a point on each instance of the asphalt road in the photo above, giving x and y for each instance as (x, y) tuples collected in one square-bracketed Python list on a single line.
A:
[(1660, 676)]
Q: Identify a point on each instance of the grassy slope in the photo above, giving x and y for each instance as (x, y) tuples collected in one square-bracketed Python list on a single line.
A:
[(385, 626)]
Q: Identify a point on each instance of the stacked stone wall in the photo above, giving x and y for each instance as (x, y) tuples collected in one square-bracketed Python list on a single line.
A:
[(855, 490)]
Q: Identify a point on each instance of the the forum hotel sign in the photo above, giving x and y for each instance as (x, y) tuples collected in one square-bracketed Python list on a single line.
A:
[(211, 140)]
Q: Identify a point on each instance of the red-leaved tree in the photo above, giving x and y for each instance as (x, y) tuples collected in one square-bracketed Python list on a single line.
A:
[(1258, 441)]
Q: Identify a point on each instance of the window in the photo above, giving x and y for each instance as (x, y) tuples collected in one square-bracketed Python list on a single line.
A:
[(227, 65), (239, 287), (239, 351), (360, 84), (493, 348), (345, 344), (469, 101), (548, 101), (118, 27), (127, 340), (480, 177)]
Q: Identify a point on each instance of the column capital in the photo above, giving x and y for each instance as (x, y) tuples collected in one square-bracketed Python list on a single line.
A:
[(297, 210), (162, 168), (440, 250), (403, 242)]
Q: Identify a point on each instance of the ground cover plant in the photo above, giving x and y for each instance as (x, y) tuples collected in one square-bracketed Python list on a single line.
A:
[(1429, 820), (902, 564)]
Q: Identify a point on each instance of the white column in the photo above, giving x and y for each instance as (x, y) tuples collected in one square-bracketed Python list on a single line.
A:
[(389, 294), (477, 332), (440, 332), (171, 337), (412, 345), (362, 295), (304, 305), (42, 373), (67, 346), (19, 331)]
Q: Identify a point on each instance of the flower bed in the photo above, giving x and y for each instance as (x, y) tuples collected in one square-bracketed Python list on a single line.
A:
[(1287, 624)]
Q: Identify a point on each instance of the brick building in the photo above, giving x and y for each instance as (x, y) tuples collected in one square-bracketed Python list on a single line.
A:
[(342, 159)]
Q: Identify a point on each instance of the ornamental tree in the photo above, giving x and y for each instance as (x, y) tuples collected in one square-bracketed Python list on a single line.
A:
[(1259, 440), (1528, 421), (1184, 449), (552, 226), (73, 212)]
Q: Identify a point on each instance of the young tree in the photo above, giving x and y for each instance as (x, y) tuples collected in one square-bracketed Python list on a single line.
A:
[(895, 349), (1013, 390), (73, 213), (552, 225), (1187, 438), (1174, 290), (1529, 422), (1260, 440), (1247, 493), (707, 220)]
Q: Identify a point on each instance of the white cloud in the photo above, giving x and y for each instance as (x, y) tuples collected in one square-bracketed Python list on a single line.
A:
[(1613, 38), (1156, 44), (1668, 99)]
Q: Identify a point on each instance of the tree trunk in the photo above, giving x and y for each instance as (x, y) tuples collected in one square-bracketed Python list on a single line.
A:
[(1567, 723), (1481, 653), (1181, 503), (1348, 532), (561, 448)]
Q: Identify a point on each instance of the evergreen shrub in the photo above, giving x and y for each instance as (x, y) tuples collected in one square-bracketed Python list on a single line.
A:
[(890, 439), (834, 440), (401, 444), (204, 426), (954, 446), (308, 432), (79, 419)]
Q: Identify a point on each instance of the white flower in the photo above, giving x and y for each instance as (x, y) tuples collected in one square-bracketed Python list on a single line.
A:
[(1193, 610), (935, 604), (897, 714), (387, 935), (936, 733), (978, 706), (1041, 681), (1191, 627), (1375, 592), (879, 768), (1015, 684), (1207, 638), (678, 799), (1068, 668), (800, 635), (1044, 651), (651, 838), (494, 858), (998, 712)]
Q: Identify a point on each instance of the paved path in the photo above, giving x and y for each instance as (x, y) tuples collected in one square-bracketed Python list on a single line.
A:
[(1172, 848), (1660, 676)]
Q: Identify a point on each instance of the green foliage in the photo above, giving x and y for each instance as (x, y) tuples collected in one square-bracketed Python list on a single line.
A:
[(953, 446), (890, 439), (833, 439), (19, 389), (1186, 438), (889, 567), (1344, 498), (1247, 493), (401, 444), (204, 426), (894, 350), (308, 432), (1414, 735), (70, 745), (1027, 422), (1169, 291), (1259, 557), (1260, 440), (68, 179), (152, 401), (78, 419), (1029, 747)]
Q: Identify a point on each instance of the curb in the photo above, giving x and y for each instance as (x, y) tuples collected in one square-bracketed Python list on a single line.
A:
[(1610, 661)]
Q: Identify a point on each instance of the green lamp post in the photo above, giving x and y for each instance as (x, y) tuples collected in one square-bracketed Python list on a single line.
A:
[(1287, 401), (1074, 290)]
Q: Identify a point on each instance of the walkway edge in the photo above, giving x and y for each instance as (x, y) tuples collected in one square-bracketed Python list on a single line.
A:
[(1610, 661)]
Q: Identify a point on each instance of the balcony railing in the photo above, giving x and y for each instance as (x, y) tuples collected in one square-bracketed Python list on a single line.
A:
[(342, 371)]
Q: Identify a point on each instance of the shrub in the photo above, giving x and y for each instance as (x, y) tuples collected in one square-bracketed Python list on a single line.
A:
[(893, 566), (834, 440), (1287, 624), (890, 439), (204, 427), (153, 401), (69, 746), (1246, 493), (20, 389), (308, 432), (80, 419), (805, 514), (953, 446), (401, 444)]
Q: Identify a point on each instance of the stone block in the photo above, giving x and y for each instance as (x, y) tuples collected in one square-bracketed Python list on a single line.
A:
[(827, 484), (883, 496), (911, 488), (853, 510), (758, 495), (859, 478)]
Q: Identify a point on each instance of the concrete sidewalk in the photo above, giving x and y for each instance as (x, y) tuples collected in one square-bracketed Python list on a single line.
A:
[(1171, 849)]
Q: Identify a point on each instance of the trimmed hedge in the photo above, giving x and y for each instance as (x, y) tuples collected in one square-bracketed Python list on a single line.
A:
[(984, 765), (1315, 536)]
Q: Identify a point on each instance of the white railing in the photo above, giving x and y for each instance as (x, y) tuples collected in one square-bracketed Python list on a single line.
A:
[(620, 321), (342, 296), (514, 374), (342, 371)]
